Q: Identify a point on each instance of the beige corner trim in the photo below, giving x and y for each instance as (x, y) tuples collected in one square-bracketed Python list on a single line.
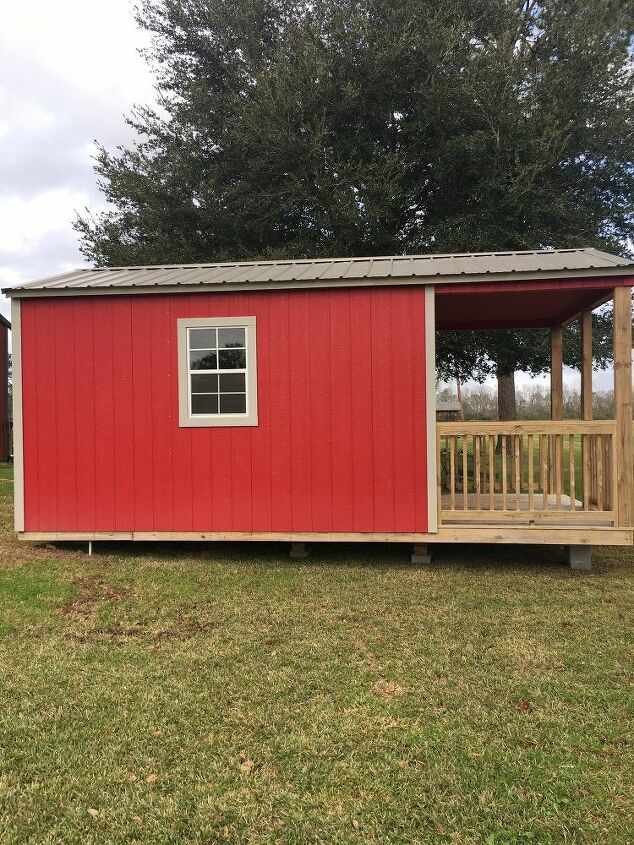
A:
[(430, 364), (18, 435)]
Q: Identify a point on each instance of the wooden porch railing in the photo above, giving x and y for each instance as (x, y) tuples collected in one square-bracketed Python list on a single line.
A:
[(528, 471)]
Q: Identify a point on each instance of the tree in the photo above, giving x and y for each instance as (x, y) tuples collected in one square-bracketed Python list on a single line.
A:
[(289, 128)]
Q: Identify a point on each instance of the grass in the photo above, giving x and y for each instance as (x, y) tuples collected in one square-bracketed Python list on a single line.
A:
[(162, 694)]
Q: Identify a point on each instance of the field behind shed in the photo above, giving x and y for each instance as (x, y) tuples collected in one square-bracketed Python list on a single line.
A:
[(206, 694)]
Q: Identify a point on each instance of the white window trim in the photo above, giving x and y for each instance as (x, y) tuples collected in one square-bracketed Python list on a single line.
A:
[(186, 419)]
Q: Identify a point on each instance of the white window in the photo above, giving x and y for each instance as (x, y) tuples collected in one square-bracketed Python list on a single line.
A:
[(217, 372)]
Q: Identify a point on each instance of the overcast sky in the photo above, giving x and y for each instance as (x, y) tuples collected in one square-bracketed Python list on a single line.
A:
[(69, 71)]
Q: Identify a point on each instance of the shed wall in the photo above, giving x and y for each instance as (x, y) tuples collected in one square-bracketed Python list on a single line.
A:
[(341, 441)]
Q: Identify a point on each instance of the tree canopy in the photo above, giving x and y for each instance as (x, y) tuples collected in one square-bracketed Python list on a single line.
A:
[(288, 128)]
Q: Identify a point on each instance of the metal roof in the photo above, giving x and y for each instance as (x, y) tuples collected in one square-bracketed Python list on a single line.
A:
[(334, 272)]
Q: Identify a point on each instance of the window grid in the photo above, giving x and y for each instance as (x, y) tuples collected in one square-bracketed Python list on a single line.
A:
[(239, 408)]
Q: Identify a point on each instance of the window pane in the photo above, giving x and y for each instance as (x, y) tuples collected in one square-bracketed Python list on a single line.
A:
[(203, 360), (228, 338), (233, 403), (202, 338), (204, 403), (232, 359), (232, 383), (205, 383)]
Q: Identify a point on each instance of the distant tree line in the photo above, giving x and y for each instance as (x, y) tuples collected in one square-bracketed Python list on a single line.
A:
[(533, 402)]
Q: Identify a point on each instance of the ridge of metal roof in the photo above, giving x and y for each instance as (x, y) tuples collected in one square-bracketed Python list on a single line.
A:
[(438, 268)]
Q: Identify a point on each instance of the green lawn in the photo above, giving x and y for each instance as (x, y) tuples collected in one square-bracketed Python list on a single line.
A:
[(199, 695)]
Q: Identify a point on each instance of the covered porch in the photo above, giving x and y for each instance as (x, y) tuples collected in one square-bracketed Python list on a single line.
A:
[(517, 480)]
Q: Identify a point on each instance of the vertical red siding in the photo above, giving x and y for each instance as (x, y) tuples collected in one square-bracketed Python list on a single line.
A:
[(341, 440), (341, 416), (279, 372), (362, 405), (122, 412)]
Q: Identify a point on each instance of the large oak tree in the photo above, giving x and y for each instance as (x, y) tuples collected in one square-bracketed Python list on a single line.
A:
[(353, 127)]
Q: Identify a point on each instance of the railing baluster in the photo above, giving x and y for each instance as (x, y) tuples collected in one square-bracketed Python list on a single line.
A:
[(586, 458), (559, 465), (476, 470), (543, 459), (531, 470), (465, 474), (452, 472), (517, 470), (571, 471), (504, 474), (607, 474), (599, 465), (491, 472)]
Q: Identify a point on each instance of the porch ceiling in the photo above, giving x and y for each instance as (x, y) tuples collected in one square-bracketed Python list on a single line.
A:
[(523, 305)]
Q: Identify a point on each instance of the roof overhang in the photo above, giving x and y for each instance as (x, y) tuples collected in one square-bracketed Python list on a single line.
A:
[(525, 304)]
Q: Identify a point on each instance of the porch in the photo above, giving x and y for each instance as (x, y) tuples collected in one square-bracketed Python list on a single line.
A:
[(524, 479)]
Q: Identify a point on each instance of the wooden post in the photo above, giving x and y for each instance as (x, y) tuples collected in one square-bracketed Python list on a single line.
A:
[(586, 365), (623, 404), (586, 400), (556, 374), (556, 397)]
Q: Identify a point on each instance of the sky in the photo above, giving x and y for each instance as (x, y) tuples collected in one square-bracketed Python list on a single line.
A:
[(70, 71)]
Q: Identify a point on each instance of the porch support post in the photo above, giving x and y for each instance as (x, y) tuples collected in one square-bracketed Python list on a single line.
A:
[(556, 373), (586, 395), (586, 365), (623, 404), (556, 399)]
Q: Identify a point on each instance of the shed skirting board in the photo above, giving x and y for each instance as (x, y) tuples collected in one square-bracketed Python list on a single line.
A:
[(605, 536)]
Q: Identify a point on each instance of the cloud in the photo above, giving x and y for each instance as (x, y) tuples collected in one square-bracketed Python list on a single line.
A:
[(48, 127), (69, 72)]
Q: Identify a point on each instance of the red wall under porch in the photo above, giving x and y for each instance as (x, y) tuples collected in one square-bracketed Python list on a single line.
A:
[(341, 440)]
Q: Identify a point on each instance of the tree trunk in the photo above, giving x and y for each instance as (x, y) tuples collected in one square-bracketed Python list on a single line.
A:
[(459, 394), (507, 405)]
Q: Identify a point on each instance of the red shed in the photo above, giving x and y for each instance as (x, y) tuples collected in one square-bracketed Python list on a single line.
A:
[(295, 400)]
